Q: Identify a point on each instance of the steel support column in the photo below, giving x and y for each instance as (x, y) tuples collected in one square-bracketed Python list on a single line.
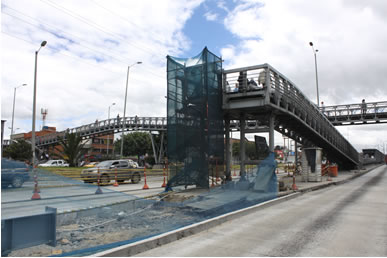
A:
[(153, 147), (161, 150), (242, 149), (228, 149), (295, 153), (271, 132)]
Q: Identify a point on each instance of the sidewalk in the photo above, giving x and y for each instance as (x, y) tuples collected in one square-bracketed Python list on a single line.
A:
[(343, 176)]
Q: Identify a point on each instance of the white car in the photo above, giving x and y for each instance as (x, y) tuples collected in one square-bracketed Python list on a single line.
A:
[(54, 163)]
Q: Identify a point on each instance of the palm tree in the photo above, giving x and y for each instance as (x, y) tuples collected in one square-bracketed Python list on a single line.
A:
[(72, 148)]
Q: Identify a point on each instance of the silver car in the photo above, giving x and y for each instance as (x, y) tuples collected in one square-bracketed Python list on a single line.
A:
[(109, 170)]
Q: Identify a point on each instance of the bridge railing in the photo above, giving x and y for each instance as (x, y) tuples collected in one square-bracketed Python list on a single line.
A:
[(108, 126), (374, 108), (307, 111), (275, 89)]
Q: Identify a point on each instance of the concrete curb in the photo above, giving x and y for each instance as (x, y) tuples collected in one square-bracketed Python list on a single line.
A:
[(165, 238)]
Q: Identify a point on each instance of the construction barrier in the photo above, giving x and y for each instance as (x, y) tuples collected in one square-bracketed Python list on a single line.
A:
[(164, 184), (146, 187), (333, 170), (36, 191), (115, 175)]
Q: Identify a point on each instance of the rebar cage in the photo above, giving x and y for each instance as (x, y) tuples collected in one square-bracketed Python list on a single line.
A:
[(195, 119)]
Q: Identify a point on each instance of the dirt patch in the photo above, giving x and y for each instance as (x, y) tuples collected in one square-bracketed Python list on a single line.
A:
[(109, 227)]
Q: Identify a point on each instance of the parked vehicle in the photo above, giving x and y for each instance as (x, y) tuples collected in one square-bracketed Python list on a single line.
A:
[(54, 163), (90, 165), (107, 170), (14, 173)]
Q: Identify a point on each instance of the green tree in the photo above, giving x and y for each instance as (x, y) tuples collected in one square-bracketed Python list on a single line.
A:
[(72, 148), (250, 150), (136, 143), (19, 150), (235, 149)]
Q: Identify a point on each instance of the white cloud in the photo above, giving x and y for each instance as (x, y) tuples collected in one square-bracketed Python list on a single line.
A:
[(350, 37), (210, 16), (82, 70)]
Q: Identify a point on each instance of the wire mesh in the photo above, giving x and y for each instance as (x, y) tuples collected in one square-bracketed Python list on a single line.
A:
[(195, 118)]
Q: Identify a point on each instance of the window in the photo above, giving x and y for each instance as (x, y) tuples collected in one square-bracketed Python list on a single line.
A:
[(123, 164)]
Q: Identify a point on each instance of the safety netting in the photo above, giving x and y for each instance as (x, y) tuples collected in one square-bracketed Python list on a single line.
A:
[(195, 118)]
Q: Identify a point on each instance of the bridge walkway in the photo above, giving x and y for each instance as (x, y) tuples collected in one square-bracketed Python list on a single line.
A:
[(356, 114), (277, 103), (108, 126)]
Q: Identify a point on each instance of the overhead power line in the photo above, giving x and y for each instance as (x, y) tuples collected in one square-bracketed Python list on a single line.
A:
[(42, 26), (93, 24), (61, 53)]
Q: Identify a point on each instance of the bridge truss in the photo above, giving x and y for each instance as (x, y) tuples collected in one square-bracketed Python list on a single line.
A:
[(356, 114)]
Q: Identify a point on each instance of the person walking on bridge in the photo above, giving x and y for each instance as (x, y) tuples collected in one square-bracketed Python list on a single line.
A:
[(363, 107), (323, 107), (118, 120)]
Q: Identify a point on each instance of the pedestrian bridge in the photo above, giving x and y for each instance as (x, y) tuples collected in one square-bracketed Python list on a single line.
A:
[(356, 114), (273, 102), (279, 104), (116, 125)]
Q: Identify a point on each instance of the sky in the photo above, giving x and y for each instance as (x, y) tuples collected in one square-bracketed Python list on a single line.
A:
[(90, 44)]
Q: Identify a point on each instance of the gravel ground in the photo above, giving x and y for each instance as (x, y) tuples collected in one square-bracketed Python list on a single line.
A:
[(108, 227)]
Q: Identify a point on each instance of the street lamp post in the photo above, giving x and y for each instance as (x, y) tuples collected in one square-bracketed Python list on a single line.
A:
[(108, 139), (36, 194), (13, 108), (123, 119), (315, 66)]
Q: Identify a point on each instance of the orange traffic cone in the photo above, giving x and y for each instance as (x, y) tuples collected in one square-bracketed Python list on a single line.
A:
[(164, 184), (36, 195), (294, 187), (115, 183), (146, 187)]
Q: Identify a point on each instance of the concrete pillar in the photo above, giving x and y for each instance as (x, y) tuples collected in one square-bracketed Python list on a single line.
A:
[(271, 133), (242, 146), (161, 153), (228, 149), (153, 147), (295, 153)]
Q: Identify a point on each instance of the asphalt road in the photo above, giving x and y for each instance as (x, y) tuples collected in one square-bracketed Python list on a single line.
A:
[(344, 220), (68, 194)]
